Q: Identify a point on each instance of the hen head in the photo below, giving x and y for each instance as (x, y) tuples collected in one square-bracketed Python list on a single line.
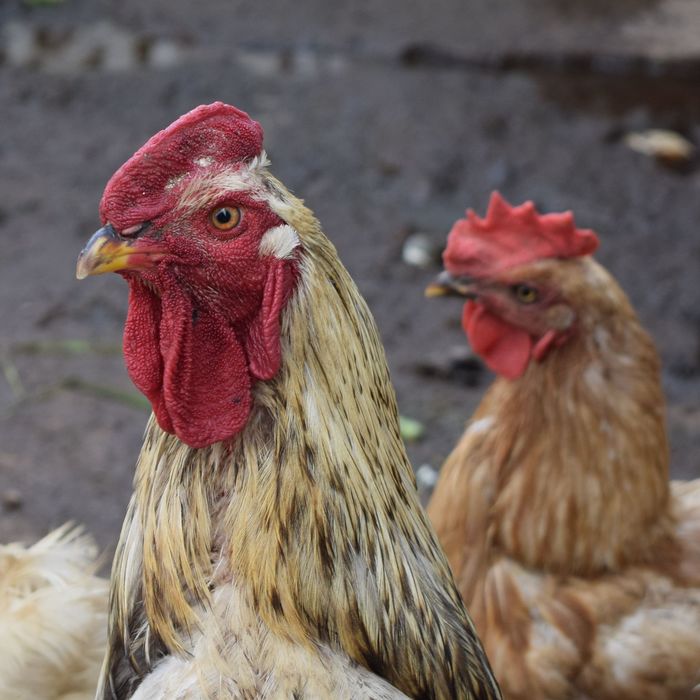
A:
[(190, 221), (521, 272)]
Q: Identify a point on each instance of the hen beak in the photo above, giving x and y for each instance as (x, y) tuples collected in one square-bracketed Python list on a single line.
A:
[(107, 252), (447, 285)]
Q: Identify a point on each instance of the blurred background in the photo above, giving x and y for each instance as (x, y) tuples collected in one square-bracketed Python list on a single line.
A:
[(389, 118)]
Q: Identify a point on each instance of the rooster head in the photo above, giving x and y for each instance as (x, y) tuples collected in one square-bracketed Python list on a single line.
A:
[(515, 267), (193, 223)]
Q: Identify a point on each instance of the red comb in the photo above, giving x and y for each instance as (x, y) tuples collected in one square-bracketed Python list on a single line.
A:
[(510, 236), (210, 134)]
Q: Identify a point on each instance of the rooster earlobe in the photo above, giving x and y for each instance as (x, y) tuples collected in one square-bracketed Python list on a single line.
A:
[(263, 341)]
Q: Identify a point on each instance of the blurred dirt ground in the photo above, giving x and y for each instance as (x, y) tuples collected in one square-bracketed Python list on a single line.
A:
[(389, 119)]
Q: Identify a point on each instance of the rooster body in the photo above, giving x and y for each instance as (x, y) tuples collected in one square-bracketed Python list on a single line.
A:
[(579, 562), (53, 618), (274, 545)]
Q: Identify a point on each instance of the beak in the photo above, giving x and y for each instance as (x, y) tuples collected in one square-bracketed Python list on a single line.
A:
[(447, 285), (107, 252)]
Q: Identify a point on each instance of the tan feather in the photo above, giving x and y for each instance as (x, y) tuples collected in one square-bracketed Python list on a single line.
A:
[(53, 618)]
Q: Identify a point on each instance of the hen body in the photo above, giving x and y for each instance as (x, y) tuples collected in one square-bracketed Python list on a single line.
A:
[(578, 560), (53, 618), (289, 558)]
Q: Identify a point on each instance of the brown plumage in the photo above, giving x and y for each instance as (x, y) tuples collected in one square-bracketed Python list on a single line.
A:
[(292, 560), (579, 562)]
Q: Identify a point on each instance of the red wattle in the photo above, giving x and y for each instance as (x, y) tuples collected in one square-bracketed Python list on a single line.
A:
[(504, 348), (141, 348), (544, 345), (263, 339), (189, 364), (194, 368), (206, 385)]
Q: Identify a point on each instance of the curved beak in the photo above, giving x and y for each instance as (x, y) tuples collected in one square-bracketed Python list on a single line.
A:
[(107, 252), (447, 285)]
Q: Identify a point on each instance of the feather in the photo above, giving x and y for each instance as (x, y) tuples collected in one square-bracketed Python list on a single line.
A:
[(53, 618)]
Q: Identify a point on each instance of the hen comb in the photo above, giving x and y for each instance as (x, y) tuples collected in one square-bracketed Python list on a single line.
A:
[(215, 134), (509, 236)]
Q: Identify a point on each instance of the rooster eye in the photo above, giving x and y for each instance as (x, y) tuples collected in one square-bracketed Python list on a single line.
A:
[(524, 293), (225, 218)]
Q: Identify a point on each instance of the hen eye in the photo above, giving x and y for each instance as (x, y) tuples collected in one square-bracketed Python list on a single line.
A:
[(524, 293), (225, 218)]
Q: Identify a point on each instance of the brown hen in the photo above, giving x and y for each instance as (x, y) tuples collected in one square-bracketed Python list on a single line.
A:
[(578, 560)]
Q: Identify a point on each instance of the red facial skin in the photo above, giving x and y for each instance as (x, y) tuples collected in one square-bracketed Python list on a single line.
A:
[(203, 323), (505, 334)]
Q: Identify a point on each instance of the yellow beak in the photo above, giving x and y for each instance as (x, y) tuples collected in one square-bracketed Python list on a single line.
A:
[(107, 252), (446, 285)]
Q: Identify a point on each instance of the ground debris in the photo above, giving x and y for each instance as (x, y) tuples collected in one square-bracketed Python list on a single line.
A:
[(421, 250), (456, 363), (12, 499), (411, 429), (663, 144)]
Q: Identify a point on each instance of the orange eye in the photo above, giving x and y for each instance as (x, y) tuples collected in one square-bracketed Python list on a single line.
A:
[(225, 218)]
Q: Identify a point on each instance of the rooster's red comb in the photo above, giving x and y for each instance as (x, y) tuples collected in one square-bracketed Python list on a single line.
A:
[(215, 134), (510, 236)]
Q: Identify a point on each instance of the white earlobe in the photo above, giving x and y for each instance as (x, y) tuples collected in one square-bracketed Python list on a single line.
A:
[(280, 241)]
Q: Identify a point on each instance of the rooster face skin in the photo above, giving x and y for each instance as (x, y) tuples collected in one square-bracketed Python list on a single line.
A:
[(189, 222)]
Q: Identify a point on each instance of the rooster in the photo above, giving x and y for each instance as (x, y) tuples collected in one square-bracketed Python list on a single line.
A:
[(578, 560), (53, 618), (274, 546)]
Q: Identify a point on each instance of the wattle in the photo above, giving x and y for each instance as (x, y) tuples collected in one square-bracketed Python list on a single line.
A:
[(189, 363), (504, 348)]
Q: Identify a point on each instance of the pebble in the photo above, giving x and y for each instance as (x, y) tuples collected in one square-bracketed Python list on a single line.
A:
[(663, 144), (12, 499), (102, 46), (454, 363), (165, 53), (426, 477), (419, 250)]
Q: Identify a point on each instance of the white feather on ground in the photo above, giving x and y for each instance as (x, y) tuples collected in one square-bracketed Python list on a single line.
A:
[(53, 618)]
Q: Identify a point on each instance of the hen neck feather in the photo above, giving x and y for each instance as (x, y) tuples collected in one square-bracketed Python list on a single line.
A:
[(575, 451)]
